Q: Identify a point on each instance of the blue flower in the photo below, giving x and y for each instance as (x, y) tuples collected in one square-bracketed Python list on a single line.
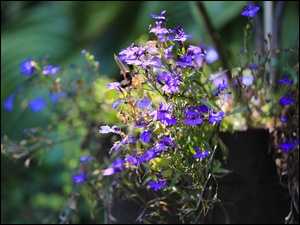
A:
[(286, 101), (158, 184), (56, 96), (79, 178), (158, 30), (221, 87), (9, 103), (160, 16), (109, 171), (252, 66), (51, 70), (115, 85), (193, 121), (145, 136), (117, 166), (250, 11), (117, 103), (285, 80), (247, 80), (284, 118), (132, 160), (200, 154), (215, 116), (186, 60), (287, 145), (148, 155), (180, 35), (85, 158), (170, 81), (27, 67), (211, 55), (144, 103), (193, 116), (106, 129), (37, 104)]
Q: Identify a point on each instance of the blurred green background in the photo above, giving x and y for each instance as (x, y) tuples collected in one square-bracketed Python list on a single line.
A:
[(61, 29)]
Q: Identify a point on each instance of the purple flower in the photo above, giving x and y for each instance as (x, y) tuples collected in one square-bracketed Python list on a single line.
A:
[(168, 142), (160, 16), (9, 103), (85, 158), (159, 147), (247, 80), (186, 60), (79, 178), (196, 50), (55, 96), (284, 118), (51, 70), (286, 101), (168, 51), (132, 160), (192, 121), (117, 103), (252, 66), (211, 55), (131, 140), (109, 171), (117, 145), (27, 67), (287, 145), (158, 184), (200, 154), (117, 166), (250, 11), (115, 85), (221, 87), (107, 129), (37, 104), (140, 123), (215, 116), (285, 80), (171, 83), (193, 116), (145, 136), (180, 36), (144, 103), (158, 30), (164, 114), (148, 155)]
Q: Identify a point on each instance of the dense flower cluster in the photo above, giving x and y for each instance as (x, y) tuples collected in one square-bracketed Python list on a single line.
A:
[(169, 108)]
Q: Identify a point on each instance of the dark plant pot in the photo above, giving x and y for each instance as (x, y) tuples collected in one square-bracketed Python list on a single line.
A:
[(251, 194)]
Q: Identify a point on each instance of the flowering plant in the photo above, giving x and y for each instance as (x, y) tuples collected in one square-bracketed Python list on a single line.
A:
[(171, 113), (170, 109)]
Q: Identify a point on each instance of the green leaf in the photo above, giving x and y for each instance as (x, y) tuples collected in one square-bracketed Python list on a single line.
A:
[(224, 149), (175, 178), (210, 104)]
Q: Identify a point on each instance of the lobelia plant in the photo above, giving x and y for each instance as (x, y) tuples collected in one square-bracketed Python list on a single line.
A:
[(171, 113), (164, 136)]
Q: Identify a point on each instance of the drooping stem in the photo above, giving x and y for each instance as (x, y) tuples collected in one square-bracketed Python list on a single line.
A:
[(214, 35)]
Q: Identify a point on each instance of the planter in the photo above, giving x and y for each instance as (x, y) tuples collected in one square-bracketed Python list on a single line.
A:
[(250, 194)]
